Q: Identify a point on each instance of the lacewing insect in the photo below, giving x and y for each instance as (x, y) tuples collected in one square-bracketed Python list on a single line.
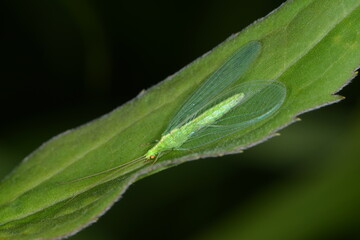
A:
[(218, 107)]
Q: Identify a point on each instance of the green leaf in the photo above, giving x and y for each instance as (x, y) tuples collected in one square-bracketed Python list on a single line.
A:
[(311, 46)]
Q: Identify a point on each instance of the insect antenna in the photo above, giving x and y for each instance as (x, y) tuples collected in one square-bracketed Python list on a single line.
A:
[(136, 160)]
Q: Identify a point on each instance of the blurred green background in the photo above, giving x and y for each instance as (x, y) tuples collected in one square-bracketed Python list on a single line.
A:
[(67, 62)]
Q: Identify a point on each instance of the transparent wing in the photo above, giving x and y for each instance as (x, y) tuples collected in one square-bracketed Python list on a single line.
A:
[(262, 99), (220, 80)]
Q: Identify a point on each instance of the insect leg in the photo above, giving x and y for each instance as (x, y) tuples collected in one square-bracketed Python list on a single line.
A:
[(149, 143)]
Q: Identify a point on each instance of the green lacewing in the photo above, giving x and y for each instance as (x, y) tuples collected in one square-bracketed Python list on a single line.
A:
[(218, 107)]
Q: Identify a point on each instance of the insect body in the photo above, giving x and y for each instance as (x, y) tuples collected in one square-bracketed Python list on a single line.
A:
[(178, 136), (218, 107)]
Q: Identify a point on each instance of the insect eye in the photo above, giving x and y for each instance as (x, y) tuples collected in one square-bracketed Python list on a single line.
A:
[(152, 157)]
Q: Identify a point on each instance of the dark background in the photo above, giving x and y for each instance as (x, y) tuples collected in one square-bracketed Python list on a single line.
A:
[(66, 62)]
